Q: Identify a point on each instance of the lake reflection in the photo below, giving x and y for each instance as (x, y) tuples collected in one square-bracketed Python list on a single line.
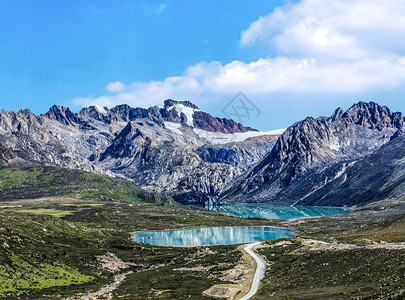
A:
[(278, 212), (210, 236)]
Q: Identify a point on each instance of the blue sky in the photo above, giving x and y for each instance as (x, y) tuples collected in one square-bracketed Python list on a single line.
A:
[(291, 58)]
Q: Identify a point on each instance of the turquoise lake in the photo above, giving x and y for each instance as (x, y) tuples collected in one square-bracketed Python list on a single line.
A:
[(279, 212), (236, 235), (210, 236)]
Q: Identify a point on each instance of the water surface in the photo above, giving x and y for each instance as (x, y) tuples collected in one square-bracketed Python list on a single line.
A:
[(210, 236), (279, 212)]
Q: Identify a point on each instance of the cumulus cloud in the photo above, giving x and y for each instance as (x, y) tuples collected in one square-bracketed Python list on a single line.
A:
[(145, 94), (115, 86), (340, 29), (323, 47), (208, 81)]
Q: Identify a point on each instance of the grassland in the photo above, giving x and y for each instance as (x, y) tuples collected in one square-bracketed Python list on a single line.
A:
[(55, 225), (37, 182), (19, 276), (377, 222), (298, 272), (77, 217), (45, 257)]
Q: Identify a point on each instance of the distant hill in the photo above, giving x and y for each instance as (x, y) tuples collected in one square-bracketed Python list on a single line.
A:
[(37, 182)]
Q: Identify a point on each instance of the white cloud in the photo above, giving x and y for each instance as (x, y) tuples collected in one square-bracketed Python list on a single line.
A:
[(333, 29), (335, 47), (208, 81), (145, 94), (115, 86)]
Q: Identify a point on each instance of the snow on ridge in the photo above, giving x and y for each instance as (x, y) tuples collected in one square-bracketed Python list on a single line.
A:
[(100, 109), (223, 138), (175, 127), (219, 137), (188, 111)]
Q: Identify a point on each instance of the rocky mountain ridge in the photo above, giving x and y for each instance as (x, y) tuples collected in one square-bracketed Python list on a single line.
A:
[(307, 155), (157, 148), (181, 151)]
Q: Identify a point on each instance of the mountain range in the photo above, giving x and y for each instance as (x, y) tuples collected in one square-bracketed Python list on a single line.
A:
[(351, 158)]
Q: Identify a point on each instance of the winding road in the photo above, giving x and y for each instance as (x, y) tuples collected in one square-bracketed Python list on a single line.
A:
[(261, 264), (260, 269)]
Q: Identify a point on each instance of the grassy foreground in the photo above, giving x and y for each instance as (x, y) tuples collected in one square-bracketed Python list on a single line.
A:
[(64, 234), (298, 271), (378, 222), (73, 238), (346, 269)]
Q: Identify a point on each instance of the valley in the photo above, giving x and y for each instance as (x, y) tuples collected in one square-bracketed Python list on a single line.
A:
[(202, 150), (66, 235), (74, 186)]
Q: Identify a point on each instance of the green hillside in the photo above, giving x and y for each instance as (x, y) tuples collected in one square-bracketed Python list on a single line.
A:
[(56, 223), (67, 233)]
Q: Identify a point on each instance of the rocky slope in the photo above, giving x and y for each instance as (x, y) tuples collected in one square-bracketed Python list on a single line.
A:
[(23, 133), (312, 153), (9, 159), (5, 155), (183, 172), (380, 175), (242, 154)]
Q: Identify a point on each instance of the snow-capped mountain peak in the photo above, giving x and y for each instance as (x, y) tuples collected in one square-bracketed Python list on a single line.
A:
[(192, 116), (188, 112), (185, 107), (171, 103), (100, 109)]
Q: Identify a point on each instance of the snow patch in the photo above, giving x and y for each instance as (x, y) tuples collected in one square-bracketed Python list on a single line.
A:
[(175, 127), (334, 145), (223, 138), (188, 111), (101, 109)]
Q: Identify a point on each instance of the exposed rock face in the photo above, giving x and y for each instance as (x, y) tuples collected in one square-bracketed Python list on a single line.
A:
[(377, 176), (23, 133), (240, 154), (129, 143), (205, 121), (183, 112), (371, 115), (312, 151), (170, 103), (9, 159), (337, 114), (6, 155), (199, 119), (165, 167)]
